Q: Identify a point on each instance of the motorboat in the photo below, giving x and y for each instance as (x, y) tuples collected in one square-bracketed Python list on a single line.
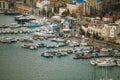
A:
[(33, 25), (83, 44), (11, 12), (61, 44), (74, 44), (93, 62), (104, 50), (118, 62), (14, 25), (107, 62), (24, 18), (58, 40), (26, 39), (8, 40), (47, 54), (96, 61), (33, 47)]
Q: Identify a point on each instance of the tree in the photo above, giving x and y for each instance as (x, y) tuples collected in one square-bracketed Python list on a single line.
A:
[(43, 12), (64, 14), (68, 12), (56, 9), (82, 32), (49, 12), (88, 33)]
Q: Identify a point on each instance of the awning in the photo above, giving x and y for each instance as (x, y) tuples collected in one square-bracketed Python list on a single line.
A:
[(111, 16), (85, 25), (66, 29), (56, 27)]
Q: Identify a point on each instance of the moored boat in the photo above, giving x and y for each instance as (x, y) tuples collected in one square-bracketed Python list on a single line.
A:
[(96, 61), (58, 40), (11, 12), (47, 55), (104, 50), (107, 62), (118, 62), (74, 44)]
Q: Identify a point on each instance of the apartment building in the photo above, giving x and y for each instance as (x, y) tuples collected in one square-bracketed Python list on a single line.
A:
[(4, 4), (111, 7)]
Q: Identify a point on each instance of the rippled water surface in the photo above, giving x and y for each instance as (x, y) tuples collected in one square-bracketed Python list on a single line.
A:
[(17, 63)]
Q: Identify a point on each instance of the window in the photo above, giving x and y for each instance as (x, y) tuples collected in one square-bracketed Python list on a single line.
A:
[(3, 4), (0, 5), (25, 1)]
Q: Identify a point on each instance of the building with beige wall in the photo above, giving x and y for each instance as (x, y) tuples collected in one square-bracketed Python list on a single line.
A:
[(61, 10), (111, 7), (107, 31), (76, 7), (92, 7), (4, 4), (85, 7), (25, 6), (72, 7)]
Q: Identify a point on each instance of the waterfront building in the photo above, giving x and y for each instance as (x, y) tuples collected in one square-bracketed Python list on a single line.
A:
[(4, 4), (41, 3), (61, 10), (72, 6), (92, 7), (111, 7), (105, 31), (109, 31), (25, 6), (30, 2), (76, 7), (114, 31), (85, 7)]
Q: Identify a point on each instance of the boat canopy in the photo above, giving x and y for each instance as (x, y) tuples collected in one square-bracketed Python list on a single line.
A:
[(66, 29), (56, 27)]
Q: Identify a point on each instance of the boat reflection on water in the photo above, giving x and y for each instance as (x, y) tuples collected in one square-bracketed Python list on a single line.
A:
[(106, 79)]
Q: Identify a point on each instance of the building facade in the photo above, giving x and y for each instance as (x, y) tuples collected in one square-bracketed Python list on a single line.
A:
[(92, 7), (4, 4), (85, 7), (107, 31), (111, 7), (25, 6)]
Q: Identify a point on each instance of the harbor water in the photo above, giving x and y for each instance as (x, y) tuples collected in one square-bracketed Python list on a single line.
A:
[(17, 63)]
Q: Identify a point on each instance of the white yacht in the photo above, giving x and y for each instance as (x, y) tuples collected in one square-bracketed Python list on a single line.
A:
[(107, 62), (118, 62)]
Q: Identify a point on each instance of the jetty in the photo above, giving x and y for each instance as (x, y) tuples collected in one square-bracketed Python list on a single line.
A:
[(96, 56)]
